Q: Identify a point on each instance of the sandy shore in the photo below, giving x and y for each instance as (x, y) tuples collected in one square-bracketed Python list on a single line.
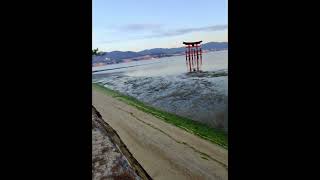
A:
[(164, 151)]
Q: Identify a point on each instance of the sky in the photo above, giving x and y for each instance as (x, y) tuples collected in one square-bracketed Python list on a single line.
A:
[(134, 25)]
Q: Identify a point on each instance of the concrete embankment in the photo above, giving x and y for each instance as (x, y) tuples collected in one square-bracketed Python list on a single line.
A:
[(111, 159)]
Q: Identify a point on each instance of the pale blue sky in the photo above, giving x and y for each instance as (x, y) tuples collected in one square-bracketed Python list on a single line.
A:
[(133, 25)]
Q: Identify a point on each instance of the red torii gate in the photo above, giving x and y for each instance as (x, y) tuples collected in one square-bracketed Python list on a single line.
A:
[(193, 55)]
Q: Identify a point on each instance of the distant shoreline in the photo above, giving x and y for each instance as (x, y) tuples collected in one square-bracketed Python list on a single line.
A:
[(144, 58)]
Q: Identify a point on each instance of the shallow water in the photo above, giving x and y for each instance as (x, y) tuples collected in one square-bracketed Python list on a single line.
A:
[(164, 83)]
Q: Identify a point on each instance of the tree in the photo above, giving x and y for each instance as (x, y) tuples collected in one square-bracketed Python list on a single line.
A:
[(95, 51)]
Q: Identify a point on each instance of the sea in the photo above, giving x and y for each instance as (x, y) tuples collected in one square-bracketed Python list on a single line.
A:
[(166, 84)]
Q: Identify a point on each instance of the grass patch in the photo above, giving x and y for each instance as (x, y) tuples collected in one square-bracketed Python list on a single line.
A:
[(211, 134)]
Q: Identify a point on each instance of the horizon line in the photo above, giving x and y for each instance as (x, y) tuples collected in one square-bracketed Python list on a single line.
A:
[(159, 47)]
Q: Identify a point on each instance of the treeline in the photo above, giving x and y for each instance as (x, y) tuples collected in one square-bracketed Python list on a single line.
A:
[(96, 52)]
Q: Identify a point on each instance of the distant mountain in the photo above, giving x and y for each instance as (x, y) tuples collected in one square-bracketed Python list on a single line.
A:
[(122, 55), (215, 45), (114, 56), (162, 51), (119, 56), (206, 46)]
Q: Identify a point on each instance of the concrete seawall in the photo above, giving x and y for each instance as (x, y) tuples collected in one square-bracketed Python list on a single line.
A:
[(110, 157)]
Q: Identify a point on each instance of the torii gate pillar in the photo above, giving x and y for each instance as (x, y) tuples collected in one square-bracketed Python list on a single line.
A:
[(193, 56)]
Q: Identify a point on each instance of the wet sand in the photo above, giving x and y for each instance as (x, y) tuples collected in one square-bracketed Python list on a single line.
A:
[(203, 96), (164, 151)]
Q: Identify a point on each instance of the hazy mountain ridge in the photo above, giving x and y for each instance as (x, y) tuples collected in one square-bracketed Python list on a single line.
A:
[(119, 56)]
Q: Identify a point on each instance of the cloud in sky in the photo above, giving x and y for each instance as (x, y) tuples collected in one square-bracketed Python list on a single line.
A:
[(182, 31), (157, 31), (141, 27)]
